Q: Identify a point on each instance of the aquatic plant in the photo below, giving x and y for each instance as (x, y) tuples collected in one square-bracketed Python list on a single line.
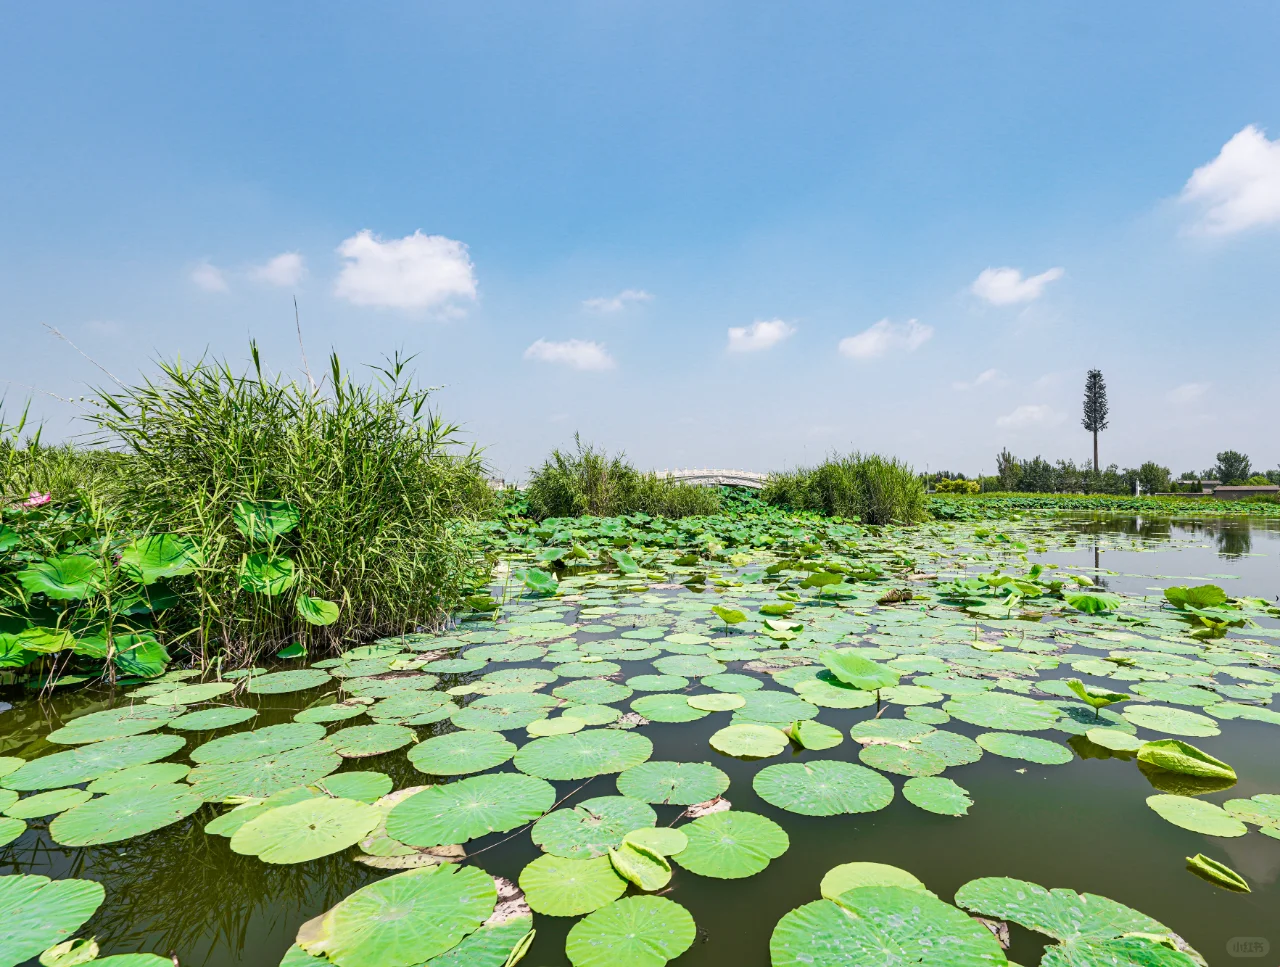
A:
[(859, 487)]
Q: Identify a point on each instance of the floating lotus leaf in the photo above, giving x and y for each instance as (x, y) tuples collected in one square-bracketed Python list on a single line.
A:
[(47, 803), (118, 816), (365, 786), (74, 766), (717, 701), (1025, 747), (414, 707), (591, 714), (336, 712), (674, 783), (1002, 710), (666, 707), (730, 682), (1114, 740), (266, 775), (460, 753), (644, 868), (270, 740), (460, 811), (911, 695), (113, 723), (305, 830), (688, 666), (657, 683), (359, 741), (1173, 721), (36, 913), (859, 671), (294, 680), (909, 761), (404, 919), (10, 829), (1196, 815), (851, 876), (229, 822), (1262, 810), (823, 787), (10, 763), (898, 729), (493, 945), (1082, 923), (591, 828), (815, 735), (501, 713), (730, 845), (936, 794), (658, 839), (208, 719), (1219, 874), (133, 960), (926, 715), (562, 887), (750, 741), (767, 707), (590, 753), (953, 748), (1173, 755), (192, 694), (593, 691), (640, 931)]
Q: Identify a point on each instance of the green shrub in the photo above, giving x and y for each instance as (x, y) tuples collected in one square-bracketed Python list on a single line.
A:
[(587, 481), (957, 487), (377, 481), (29, 467), (871, 488)]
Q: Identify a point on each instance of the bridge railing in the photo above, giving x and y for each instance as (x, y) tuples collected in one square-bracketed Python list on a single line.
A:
[(717, 477)]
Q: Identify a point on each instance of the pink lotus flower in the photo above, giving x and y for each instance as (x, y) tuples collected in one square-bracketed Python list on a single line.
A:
[(36, 500)]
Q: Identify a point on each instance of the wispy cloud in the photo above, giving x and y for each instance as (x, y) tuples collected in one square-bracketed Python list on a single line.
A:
[(286, 269), (982, 379), (617, 302), (574, 353), (1188, 393), (1006, 286), (1240, 188), (208, 277), (885, 337), (415, 272), (759, 335), (1027, 415)]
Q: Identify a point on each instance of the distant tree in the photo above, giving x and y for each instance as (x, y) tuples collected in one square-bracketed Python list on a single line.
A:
[(1273, 476), (1037, 476), (1153, 477), (1190, 475), (1095, 408), (1008, 470), (1232, 467), (1258, 480)]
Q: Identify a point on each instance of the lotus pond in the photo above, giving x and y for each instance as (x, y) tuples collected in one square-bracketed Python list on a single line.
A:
[(768, 741)]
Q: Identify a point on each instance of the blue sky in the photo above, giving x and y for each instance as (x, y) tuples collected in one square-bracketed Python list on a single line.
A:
[(711, 234)]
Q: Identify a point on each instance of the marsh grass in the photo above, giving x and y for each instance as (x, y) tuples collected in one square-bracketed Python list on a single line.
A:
[(382, 486), (587, 481), (870, 488)]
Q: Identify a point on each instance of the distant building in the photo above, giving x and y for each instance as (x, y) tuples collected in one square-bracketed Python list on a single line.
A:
[(1235, 493)]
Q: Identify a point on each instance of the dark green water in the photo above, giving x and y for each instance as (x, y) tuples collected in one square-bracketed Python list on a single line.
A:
[(1083, 825)]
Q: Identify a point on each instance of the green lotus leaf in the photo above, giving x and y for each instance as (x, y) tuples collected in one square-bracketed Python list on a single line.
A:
[(112, 723), (460, 811), (264, 572), (40, 640), (140, 655), (643, 868), (730, 616), (37, 912), (293, 680), (589, 714), (750, 741), (716, 701), (535, 579), (1172, 721), (662, 840), (834, 694), (405, 919), (334, 712), (314, 611), (71, 577), (270, 740), (657, 683), (563, 887), (460, 753), (688, 666), (593, 691), (814, 735), (306, 830), (859, 672), (70, 953), (209, 719), (1174, 755), (936, 794), (1262, 810), (591, 828), (87, 762), (1025, 747), (823, 787), (10, 829), (140, 777), (640, 931), (262, 521), (664, 707), (1196, 815), (191, 694), (1093, 602), (363, 786), (731, 682), (1202, 596), (1095, 697), (47, 803), (1217, 873), (118, 816), (1002, 710), (927, 716), (493, 945), (266, 775), (1114, 739), (593, 752), (149, 559), (850, 876), (953, 748), (673, 783), (902, 761), (360, 741), (769, 707), (730, 845)]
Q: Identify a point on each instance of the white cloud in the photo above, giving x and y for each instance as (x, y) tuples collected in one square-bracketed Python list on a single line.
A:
[(415, 272), (618, 302), (982, 379), (284, 270), (1030, 414), (1005, 286), (759, 335), (1240, 188), (1187, 392), (884, 337), (209, 277), (575, 353)]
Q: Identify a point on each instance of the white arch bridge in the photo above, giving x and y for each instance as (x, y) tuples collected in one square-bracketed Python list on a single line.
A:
[(716, 478)]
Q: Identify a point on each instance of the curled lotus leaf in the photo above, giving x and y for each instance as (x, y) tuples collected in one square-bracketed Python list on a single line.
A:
[(658, 839), (1174, 755), (814, 735), (646, 869)]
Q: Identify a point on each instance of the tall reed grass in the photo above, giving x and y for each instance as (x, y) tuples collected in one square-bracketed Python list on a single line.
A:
[(869, 487), (587, 481)]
